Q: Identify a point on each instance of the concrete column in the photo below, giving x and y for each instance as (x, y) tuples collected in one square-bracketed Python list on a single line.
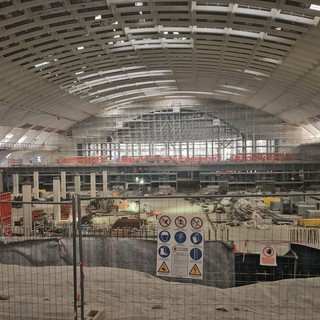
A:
[(1, 180), (15, 184), (36, 184), (63, 185), (93, 192), (27, 213), (104, 182), (77, 184), (56, 198)]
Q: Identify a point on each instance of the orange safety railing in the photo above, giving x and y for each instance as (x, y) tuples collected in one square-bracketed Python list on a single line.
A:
[(82, 160), (199, 159)]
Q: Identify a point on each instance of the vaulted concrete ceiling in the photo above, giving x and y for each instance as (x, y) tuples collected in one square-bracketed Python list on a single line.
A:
[(63, 61)]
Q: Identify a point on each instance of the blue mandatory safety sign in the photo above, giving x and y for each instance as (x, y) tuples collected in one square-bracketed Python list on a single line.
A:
[(180, 237), (164, 236), (196, 238), (196, 254), (164, 251)]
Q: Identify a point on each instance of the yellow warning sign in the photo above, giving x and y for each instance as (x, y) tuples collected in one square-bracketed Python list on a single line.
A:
[(164, 268), (195, 271)]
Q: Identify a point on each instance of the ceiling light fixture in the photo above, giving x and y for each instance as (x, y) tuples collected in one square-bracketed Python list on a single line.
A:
[(315, 7), (41, 64)]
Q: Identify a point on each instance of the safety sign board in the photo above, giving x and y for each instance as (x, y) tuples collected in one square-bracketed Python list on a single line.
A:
[(268, 256), (164, 236), (164, 268), (180, 221), (196, 223), (195, 271), (180, 247), (164, 221)]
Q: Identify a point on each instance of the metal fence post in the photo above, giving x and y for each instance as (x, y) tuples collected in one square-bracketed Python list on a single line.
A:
[(80, 257), (74, 240)]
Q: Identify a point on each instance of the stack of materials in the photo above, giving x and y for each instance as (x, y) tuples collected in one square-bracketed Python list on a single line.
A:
[(311, 219), (304, 207)]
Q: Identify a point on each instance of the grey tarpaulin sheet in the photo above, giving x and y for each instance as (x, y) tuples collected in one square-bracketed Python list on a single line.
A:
[(128, 253)]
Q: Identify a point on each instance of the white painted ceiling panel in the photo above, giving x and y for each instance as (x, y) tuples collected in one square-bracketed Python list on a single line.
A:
[(62, 62)]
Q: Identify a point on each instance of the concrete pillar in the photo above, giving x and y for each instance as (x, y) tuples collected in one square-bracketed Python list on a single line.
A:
[(104, 182), (63, 185), (27, 213), (15, 184), (93, 192), (1, 180), (36, 184), (56, 198), (77, 184)]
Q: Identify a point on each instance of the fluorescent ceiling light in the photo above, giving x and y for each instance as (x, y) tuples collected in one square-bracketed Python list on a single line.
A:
[(315, 7), (98, 17), (41, 64), (9, 136), (256, 73), (235, 87), (139, 4), (229, 92), (80, 48), (274, 61)]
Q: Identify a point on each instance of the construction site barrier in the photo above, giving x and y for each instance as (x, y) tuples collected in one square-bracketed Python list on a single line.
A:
[(307, 236)]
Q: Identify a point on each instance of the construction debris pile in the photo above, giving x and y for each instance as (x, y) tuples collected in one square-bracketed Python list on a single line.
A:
[(239, 211)]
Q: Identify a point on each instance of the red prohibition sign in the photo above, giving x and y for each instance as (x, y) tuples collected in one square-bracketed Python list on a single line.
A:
[(181, 222), (268, 251), (165, 221), (196, 223)]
